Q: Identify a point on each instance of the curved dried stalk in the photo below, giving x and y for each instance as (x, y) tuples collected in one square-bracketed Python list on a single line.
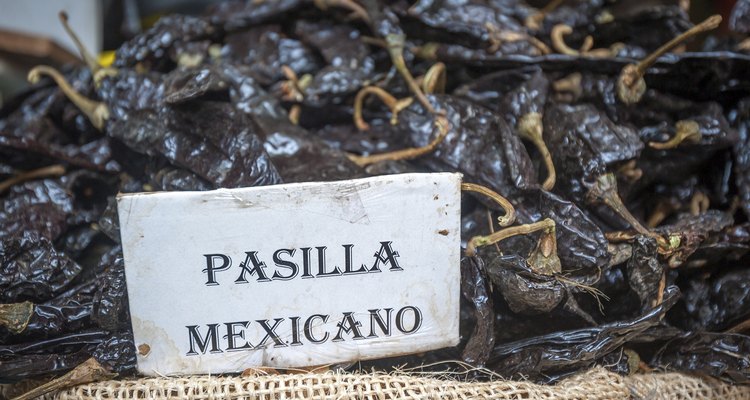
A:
[(406, 154), (499, 36), (97, 112), (530, 127), (663, 209), (534, 21), (687, 131), (393, 104), (510, 213), (630, 84), (630, 171), (396, 51), (351, 5), (699, 203), (557, 36), (434, 79), (478, 241), (605, 191), (293, 88), (294, 114), (44, 172), (88, 58)]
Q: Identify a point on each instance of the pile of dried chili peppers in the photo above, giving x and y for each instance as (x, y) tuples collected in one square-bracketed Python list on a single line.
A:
[(624, 160)]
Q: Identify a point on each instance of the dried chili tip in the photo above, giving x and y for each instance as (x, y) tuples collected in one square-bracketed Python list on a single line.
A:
[(443, 127), (87, 372), (634, 361), (44, 172), (15, 317), (530, 127), (686, 131), (97, 112), (631, 86)]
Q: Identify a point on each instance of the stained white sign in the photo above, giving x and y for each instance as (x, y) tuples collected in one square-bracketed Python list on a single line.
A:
[(292, 275)]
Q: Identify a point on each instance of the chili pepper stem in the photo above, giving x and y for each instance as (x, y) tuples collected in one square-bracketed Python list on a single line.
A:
[(605, 191), (87, 372), (543, 259), (396, 50), (351, 5), (664, 208), (478, 241), (534, 21), (88, 58), (530, 127), (631, 86), (406, 154), (687, 131), (44, 172), (510, 212), (558, 40), (630, 171), (491, 226), (97, 112), (294, 114), (15, 317), (699, 203), (434, 79), (743, 326), (393, 104)]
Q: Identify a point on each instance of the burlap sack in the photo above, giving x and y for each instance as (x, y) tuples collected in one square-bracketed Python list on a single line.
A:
[(595, 384)]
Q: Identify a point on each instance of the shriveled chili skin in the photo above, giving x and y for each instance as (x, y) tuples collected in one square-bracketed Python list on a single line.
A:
[(475, 288), (552, 356), (720, 355)]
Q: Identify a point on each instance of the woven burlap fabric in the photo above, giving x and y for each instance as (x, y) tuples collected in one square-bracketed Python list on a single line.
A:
[(596, 384)]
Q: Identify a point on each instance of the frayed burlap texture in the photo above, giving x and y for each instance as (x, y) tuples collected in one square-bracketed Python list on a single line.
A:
[(596, 384)]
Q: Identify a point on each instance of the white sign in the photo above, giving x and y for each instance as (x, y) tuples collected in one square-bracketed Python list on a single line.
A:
[(292, 275)]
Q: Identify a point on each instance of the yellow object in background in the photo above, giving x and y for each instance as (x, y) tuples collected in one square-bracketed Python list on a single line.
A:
[(106, 58)]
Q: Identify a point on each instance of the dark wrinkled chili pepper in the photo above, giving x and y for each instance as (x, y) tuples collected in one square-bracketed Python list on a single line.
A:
[(551, 356), (475, 288), (251, 93), (720, 355)]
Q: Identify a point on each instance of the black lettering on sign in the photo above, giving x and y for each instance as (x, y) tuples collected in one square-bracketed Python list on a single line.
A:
[(257, 269), (211, 267), (417, 319), (212, 337), (314, 330), (285, 267)]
